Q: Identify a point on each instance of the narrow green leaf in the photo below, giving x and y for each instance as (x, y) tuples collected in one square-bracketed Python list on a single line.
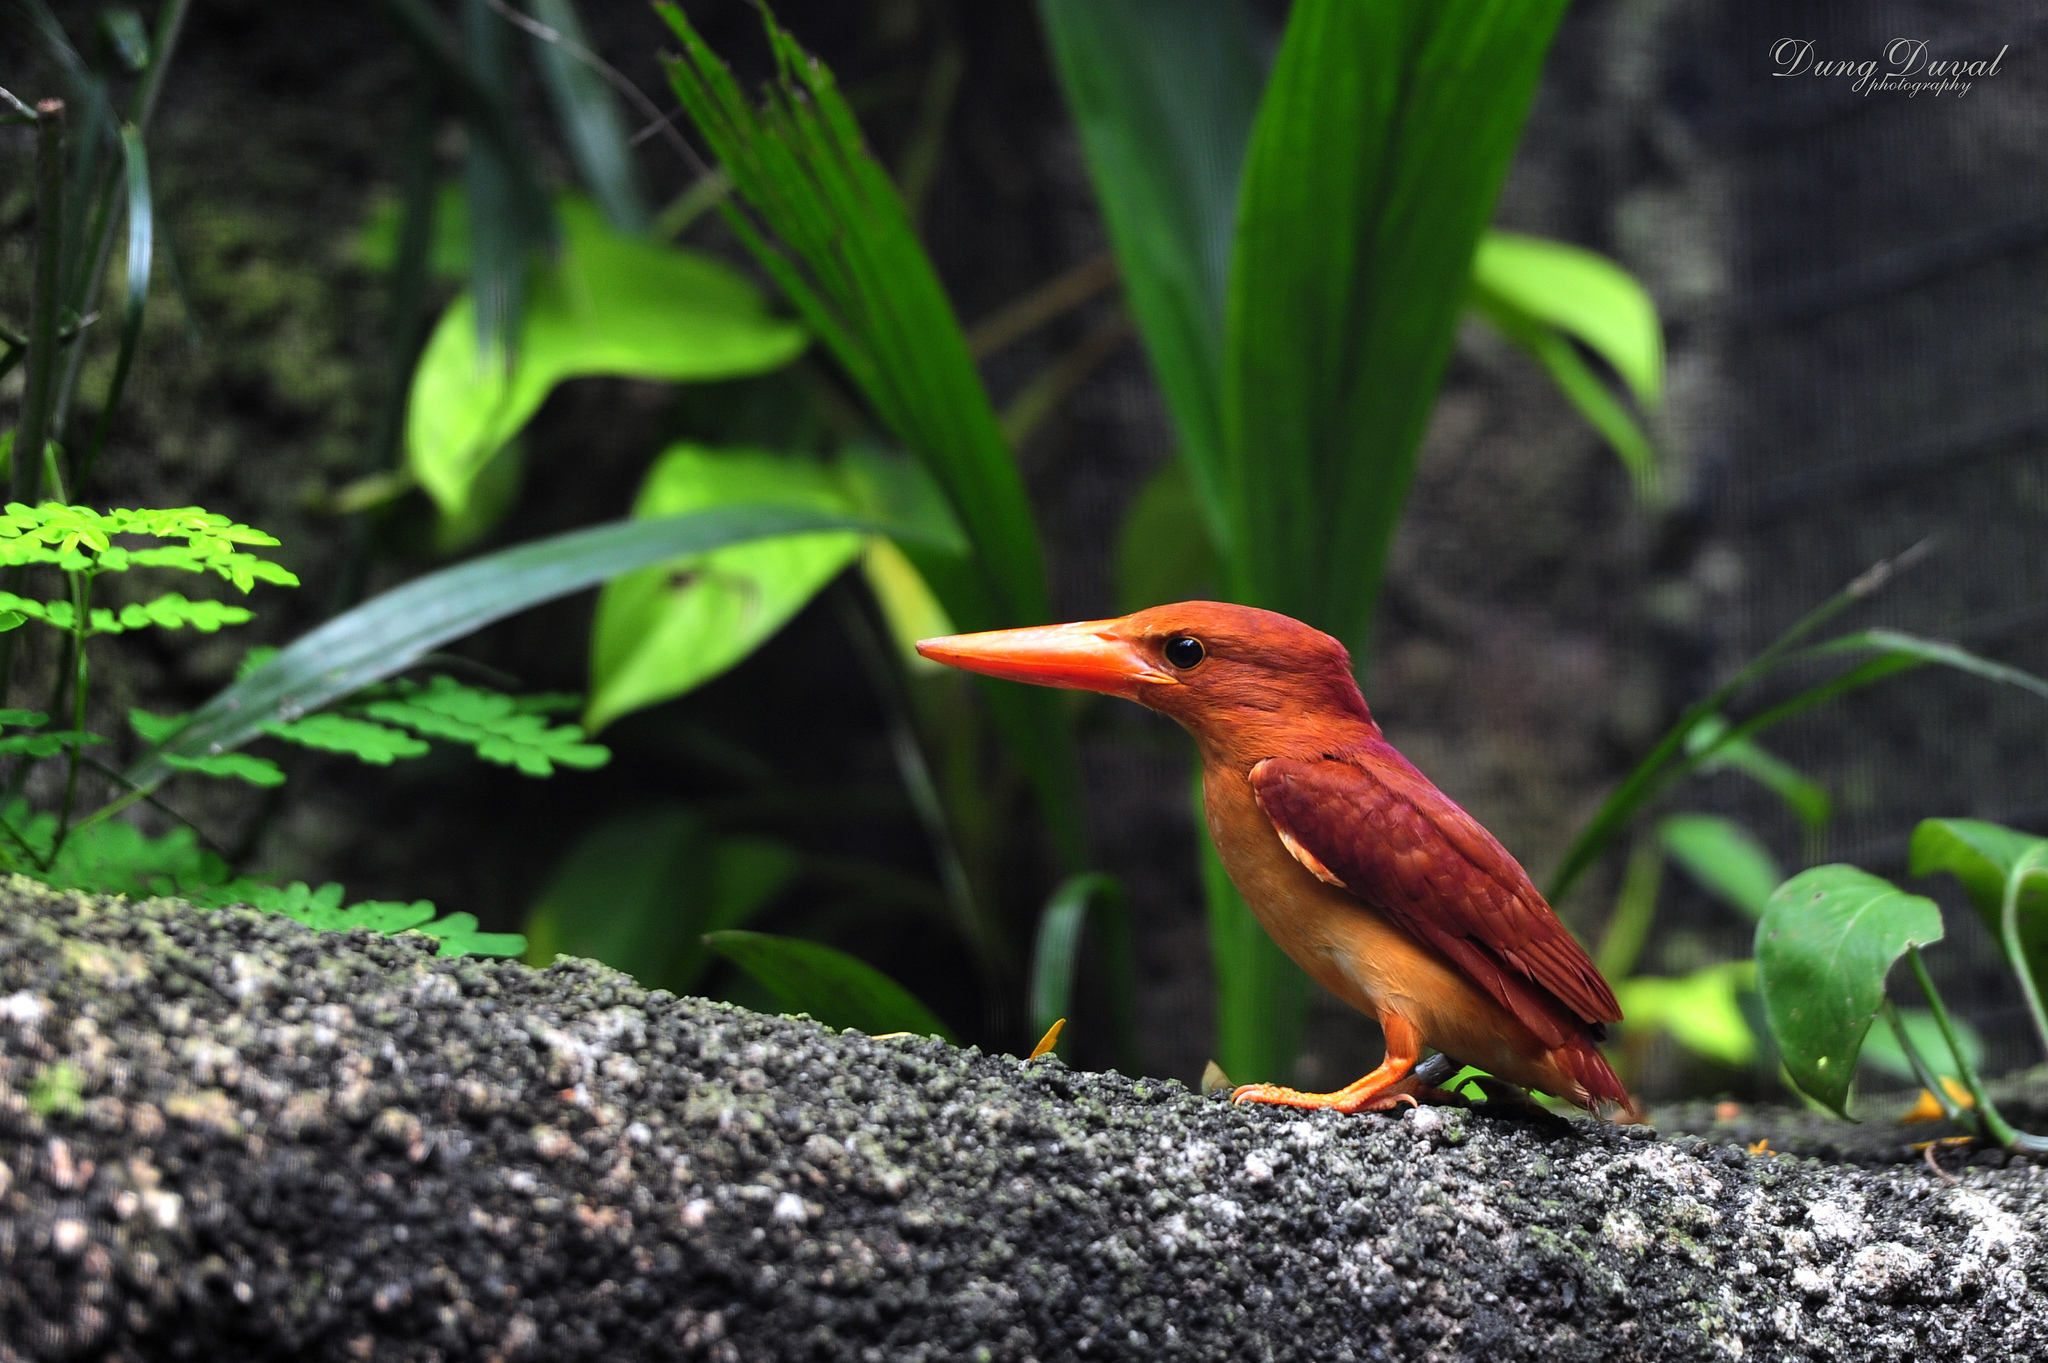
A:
[(1724, 857), (850, 261), (392, 632), (141, 241), (1055, 958), (611, 305), (589, 115), (26, 719), (1582, 294), (665, 630), (1374, 163), (238, 766), (1702, 1011), (833, 987), (1911, 647), (1676, 754), (1163, 93), (1826, 941), (1808, 799), (510, 225)]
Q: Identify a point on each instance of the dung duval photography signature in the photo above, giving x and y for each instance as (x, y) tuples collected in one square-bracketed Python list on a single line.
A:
[(1906, 68)]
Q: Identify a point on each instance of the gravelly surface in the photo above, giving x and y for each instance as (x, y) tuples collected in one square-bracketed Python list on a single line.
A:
[(292, 1146)]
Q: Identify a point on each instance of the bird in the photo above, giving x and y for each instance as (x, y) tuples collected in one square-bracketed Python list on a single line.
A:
[(1376, 883)]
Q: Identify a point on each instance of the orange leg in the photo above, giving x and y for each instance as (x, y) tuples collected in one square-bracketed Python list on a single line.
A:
[(1373, 1093)]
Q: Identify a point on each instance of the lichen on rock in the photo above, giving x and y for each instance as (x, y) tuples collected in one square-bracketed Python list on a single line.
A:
[(293, 1146)]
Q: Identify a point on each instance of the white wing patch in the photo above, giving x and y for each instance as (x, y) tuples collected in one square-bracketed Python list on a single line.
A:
[(1308, 859)]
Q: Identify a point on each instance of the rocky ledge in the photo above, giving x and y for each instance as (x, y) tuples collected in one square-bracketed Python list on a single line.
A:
[(225, 1137)]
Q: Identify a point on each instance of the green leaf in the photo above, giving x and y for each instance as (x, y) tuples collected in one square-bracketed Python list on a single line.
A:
[(589, 115), (257, 771), (1163, 94), (458, 936), (1055, 958), (1374, 163), (640, 890), (1827, 940), (376, 246), (390, 633), (1913, 649), (1577, 382), (611, 305), (493, 724), (47, 744), (663, 631), (1724, 857), (1702, 1011), (908, 606), (1881, 1048), (323, 911), (833, 987), (1806, 798), (1982, 855), (1163, 553), (359, 738), (1676, 754), (25, 719), (1584, 295), (851, 263), (112, 857), (173, 611)]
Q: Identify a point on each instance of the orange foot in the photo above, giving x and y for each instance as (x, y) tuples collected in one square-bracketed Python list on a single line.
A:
[(1386, 1087)]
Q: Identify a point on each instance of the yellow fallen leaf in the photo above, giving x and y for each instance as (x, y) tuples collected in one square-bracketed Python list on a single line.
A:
[(1214, 1080), (1048, 1041), (1928, 1108)]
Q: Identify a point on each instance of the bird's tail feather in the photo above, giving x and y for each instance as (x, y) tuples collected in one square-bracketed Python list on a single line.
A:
[(1582, 1060)]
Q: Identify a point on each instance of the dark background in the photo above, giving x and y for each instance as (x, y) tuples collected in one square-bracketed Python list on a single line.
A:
[(1853, 287)]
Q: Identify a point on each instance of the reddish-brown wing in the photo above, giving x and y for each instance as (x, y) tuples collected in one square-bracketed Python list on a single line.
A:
[(1383, 832)]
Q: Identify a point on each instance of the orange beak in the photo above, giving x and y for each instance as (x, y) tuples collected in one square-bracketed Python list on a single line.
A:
[(1090, 655)]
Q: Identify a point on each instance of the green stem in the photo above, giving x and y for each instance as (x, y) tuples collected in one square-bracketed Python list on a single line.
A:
[(40, 380), (1994, 1124), (2031, 863), (135, 795), (1922, 1070), (81, 597)]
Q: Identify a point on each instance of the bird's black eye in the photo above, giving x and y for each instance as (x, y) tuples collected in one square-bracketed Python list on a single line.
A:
[(1183, 652)]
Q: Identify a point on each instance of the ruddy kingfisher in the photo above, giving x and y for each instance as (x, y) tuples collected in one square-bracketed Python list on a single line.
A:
[(1378, 885)]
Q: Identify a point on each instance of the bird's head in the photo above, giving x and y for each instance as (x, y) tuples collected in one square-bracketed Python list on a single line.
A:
[(1225, 672)]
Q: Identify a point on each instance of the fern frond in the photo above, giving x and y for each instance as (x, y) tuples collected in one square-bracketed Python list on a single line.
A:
[(492, 723), (47, 744), (239, 766), (359, 738)]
